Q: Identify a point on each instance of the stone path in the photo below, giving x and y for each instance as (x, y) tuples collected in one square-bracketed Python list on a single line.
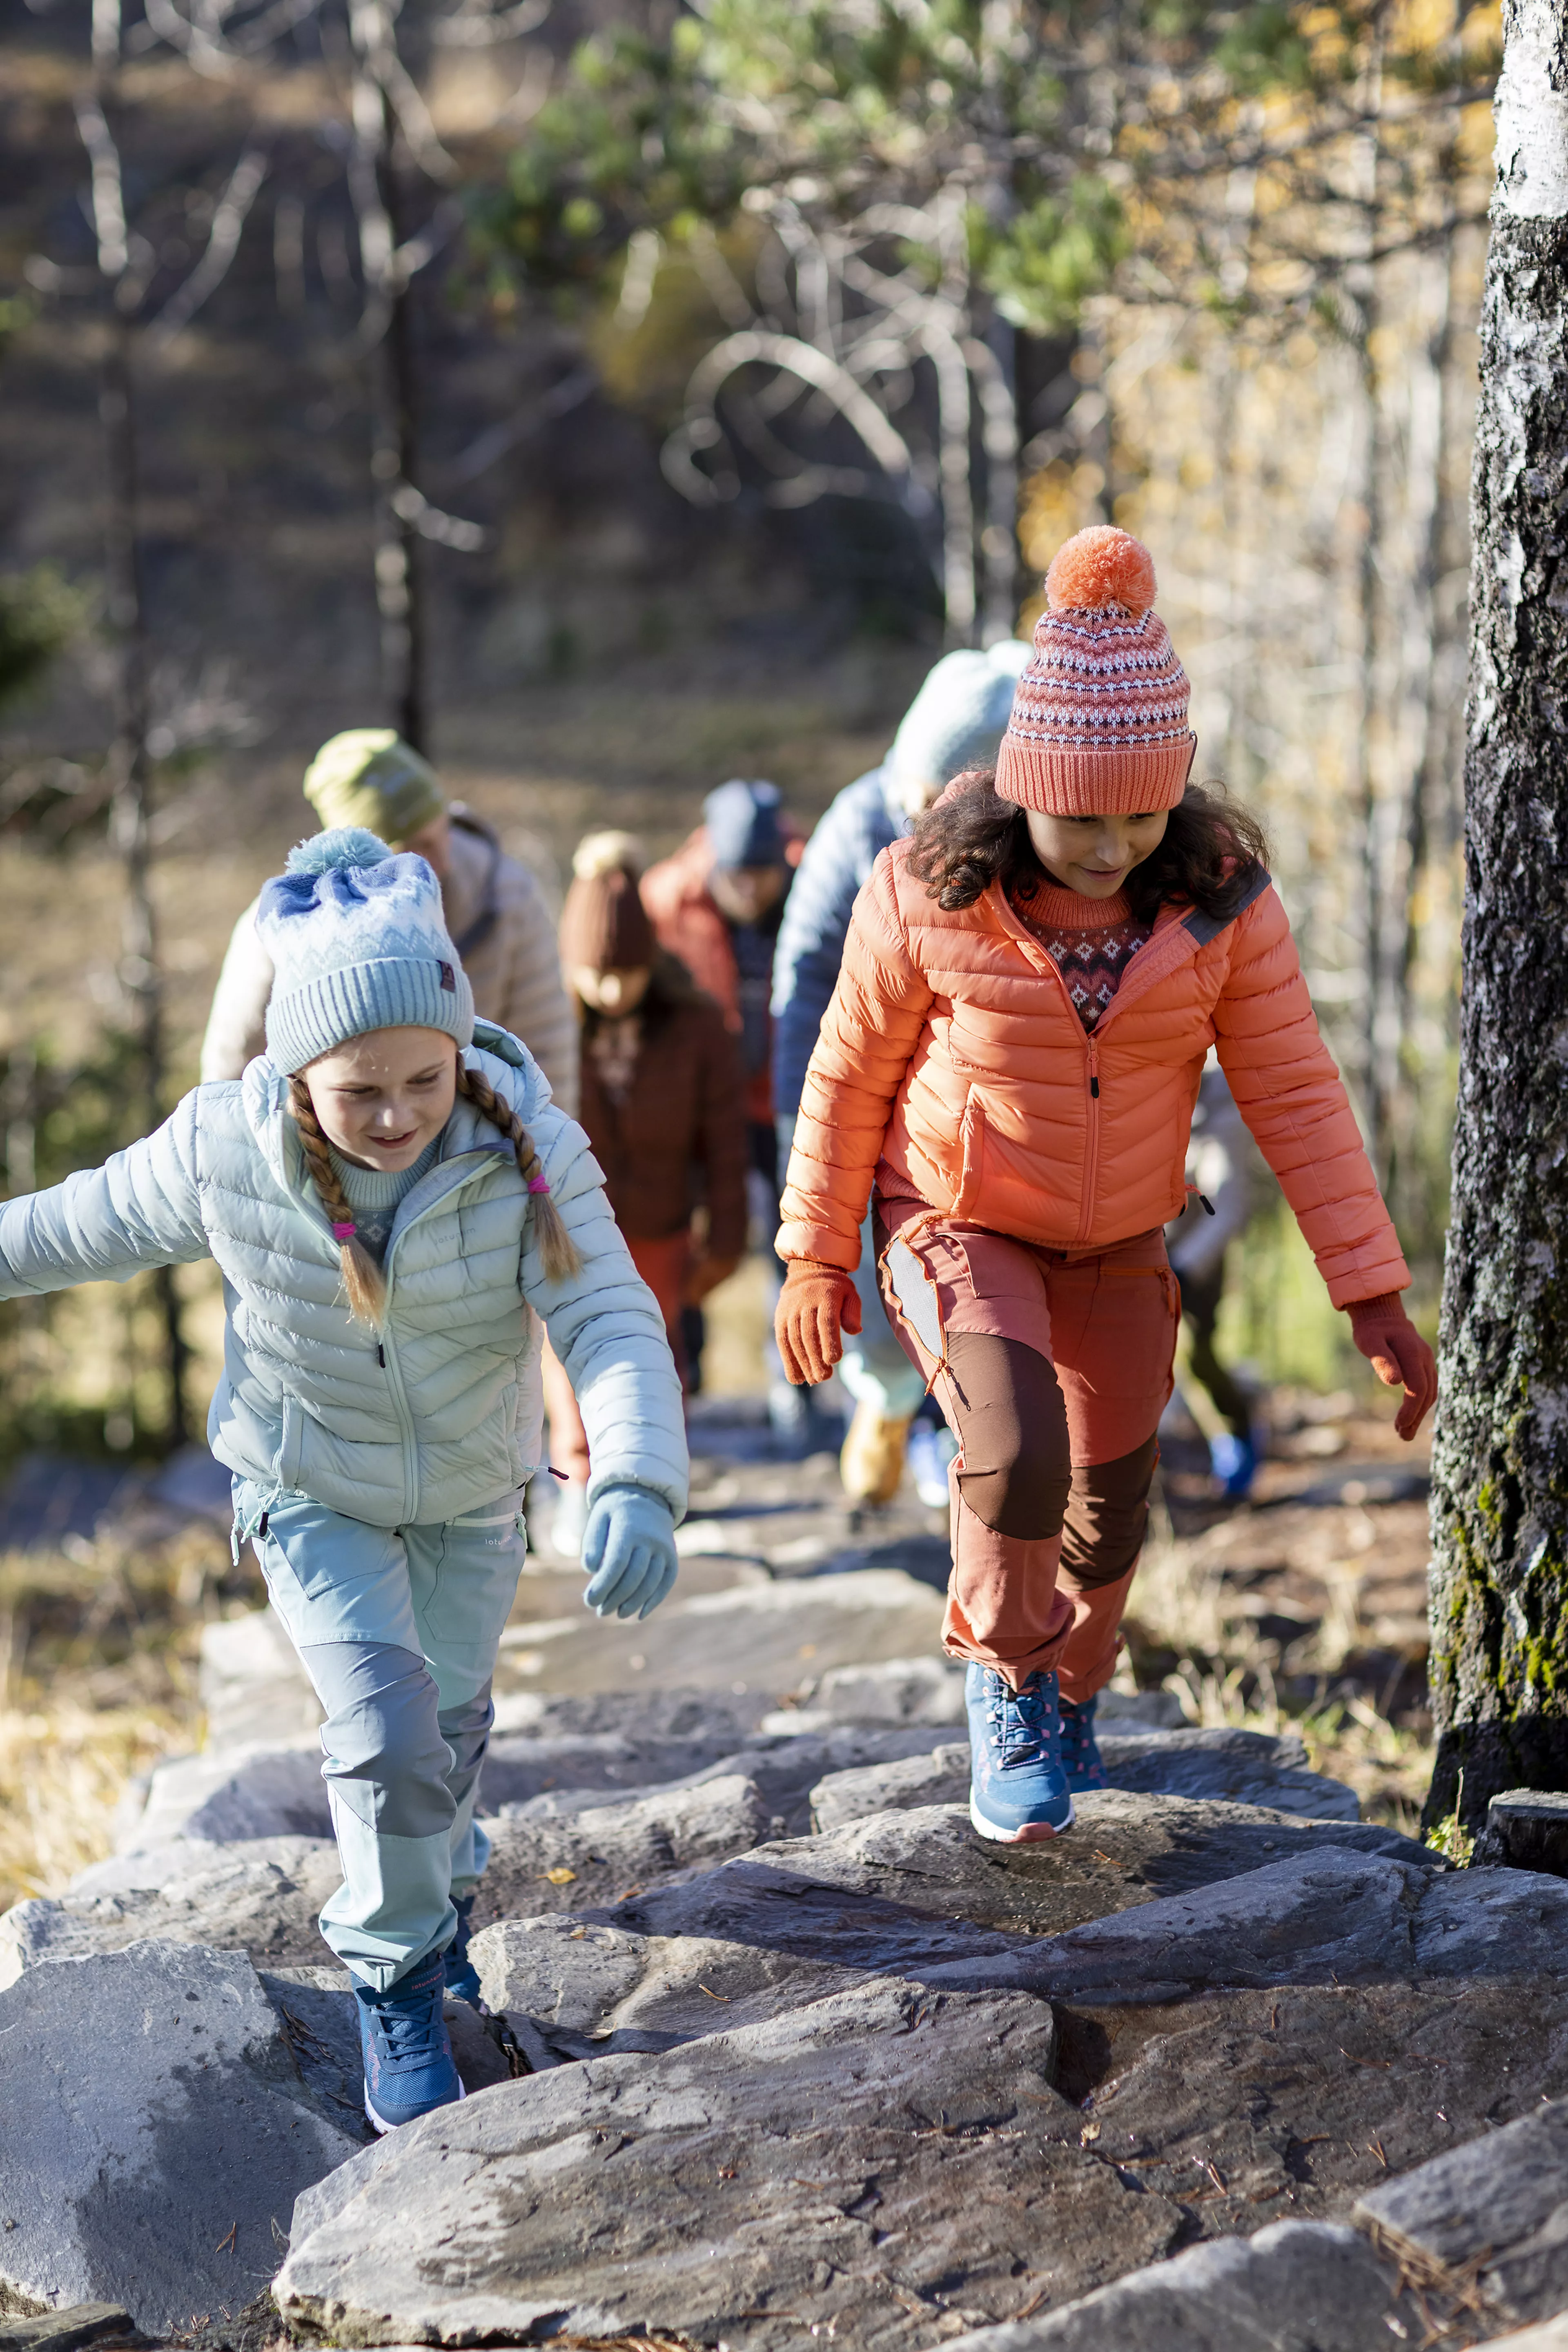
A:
[(778, 2046)]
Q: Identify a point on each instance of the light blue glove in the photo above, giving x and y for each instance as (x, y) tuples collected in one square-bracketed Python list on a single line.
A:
[(628, 1551)]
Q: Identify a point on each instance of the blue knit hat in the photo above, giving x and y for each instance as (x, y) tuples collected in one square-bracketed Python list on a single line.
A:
[(358, 941), (743, 823), (956, 720)]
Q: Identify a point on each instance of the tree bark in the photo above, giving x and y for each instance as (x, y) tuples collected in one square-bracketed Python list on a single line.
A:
[(1500, 1510)]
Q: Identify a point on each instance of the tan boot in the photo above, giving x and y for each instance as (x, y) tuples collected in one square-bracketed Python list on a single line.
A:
[(872, 1462)]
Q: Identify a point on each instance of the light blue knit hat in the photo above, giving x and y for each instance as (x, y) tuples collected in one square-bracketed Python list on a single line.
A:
[(956, 719), (358, 941)]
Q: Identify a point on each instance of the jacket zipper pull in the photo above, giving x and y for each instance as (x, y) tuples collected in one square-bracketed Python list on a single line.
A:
[(1094, 1073), (380, 1351), (1208, 1205)]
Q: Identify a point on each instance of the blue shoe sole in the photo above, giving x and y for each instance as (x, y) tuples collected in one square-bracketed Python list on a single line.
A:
[(379, 2124), (1027, 1833)]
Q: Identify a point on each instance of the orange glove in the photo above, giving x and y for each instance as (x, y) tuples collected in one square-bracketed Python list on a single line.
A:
[(816, 1303), (1398, 1355)]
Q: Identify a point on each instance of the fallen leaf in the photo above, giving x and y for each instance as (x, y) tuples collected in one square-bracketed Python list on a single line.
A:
[(561, 1875)]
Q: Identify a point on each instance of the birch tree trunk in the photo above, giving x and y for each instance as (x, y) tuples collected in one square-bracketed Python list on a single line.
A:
[(1499, 1508)]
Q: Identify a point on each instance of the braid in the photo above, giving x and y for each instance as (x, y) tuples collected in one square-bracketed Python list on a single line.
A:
[(557, 1251), (363, 1279)]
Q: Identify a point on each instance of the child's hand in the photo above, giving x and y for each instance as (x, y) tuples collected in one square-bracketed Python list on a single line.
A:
[(628, 1551), (1398, 1355), (816, 1305)]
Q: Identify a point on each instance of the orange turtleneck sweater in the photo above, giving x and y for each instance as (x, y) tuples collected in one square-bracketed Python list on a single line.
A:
[(1090, 940)]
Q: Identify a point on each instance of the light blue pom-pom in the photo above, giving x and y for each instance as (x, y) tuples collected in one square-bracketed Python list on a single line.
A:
[(345, 845)]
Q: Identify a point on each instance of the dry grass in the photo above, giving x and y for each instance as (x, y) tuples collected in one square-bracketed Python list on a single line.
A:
[(98, 1658), (1228, 1674)]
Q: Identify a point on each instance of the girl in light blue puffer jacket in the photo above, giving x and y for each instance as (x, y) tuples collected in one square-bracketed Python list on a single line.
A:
[(398, 1211)]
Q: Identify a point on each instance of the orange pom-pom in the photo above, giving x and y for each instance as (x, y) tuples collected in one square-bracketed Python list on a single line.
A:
[(1102, 566)]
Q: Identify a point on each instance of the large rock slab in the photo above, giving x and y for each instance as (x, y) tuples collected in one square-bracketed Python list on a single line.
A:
[(253, 1687), (605, 1854), (749, 1639), (262, 1897), (1494, 2211), (886, 2166), (153, 2133), (1298, 2286), (1255, 2106), (1126, 1849), (233, 1794), (1246, 1768), (784, 1770), (594, 1990)]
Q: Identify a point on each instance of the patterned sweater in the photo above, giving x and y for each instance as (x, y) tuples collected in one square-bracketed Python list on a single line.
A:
[(1090, 940)]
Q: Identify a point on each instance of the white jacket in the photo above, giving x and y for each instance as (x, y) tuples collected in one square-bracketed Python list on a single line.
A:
[(504, 933), (442, 1410)]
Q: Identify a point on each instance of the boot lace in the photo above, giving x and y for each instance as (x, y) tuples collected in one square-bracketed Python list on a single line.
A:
[(408, 2023), (1021, 1721)]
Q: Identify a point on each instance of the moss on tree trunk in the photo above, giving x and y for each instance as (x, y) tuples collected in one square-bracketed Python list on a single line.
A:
[(1500, 1492)]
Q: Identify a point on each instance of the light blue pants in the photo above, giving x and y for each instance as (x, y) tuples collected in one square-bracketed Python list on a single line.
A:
[(875, 1369), (398, 1630)]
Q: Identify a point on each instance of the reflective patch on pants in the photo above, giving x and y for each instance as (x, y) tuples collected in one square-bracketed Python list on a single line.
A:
[(917, 1297)]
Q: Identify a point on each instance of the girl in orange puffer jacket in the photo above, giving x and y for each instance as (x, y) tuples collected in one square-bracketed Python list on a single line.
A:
[(1008, 1068)]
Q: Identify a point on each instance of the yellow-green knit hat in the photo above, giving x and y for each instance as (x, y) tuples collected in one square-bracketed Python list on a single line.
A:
[(368, 776)]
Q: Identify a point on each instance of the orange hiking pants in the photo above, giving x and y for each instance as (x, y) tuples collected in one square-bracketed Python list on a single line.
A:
[(1053, 1368)]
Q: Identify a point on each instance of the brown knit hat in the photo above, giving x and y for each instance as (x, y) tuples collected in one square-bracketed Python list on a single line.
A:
[(603, 925), (1100, 715)]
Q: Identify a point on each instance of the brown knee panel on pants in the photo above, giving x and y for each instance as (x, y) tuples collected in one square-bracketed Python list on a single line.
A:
[(1108, 1515), (1012, 1426), (1017, 1477)]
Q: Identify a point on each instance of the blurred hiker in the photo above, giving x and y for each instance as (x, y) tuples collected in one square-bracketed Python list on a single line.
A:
[(1224, 1168), (662, 1103), (1007, 1069), (495, 912), (955, 723), (716, 905), (396, 1204)]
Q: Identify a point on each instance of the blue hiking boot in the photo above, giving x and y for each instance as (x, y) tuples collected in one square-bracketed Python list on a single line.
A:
[(408, 2065), (1017, 1790), (462, 1977), (1081, 1759), (1234, 1461)]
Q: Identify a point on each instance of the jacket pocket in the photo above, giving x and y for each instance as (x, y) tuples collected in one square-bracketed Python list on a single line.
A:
[(971, 1139)]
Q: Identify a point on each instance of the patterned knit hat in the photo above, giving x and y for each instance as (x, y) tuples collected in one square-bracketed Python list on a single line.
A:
[(1100, 717), (358, 941)]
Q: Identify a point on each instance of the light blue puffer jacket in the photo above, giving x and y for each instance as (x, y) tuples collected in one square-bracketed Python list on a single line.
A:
[(442, 1411)]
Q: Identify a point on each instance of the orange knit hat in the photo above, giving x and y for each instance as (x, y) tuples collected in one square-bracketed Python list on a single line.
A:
[(1100, 715)]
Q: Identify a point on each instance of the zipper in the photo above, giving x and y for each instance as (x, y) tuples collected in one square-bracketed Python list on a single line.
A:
[(387, 1353), (1091, 1139)]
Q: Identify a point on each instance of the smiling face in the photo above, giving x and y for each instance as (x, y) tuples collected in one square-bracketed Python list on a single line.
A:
[(382, 1098), (1094, 855)]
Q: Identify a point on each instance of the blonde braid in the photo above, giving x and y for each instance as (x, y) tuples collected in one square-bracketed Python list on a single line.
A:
[(557, 1251), (363, 1279)]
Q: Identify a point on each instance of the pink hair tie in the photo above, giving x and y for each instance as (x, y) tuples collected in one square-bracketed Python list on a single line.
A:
[(539, 1183), (344, 1233)]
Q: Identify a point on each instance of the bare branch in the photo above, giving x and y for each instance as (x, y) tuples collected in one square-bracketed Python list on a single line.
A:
[(108, 192), (412, 507), (223, 244), (701, 428), (481, 453), (472, 26)]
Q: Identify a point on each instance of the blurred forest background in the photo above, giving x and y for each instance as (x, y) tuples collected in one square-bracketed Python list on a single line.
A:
[(619, 397)]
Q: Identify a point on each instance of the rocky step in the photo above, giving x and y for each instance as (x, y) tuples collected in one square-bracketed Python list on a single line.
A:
[(1241, 1767), (154, 2133), (893, 2162)]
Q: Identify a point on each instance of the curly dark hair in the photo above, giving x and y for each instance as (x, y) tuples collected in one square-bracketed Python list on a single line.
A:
[(1211, 854)]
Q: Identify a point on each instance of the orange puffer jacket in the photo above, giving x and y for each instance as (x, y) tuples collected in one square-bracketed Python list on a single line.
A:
[(953, 1050)]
